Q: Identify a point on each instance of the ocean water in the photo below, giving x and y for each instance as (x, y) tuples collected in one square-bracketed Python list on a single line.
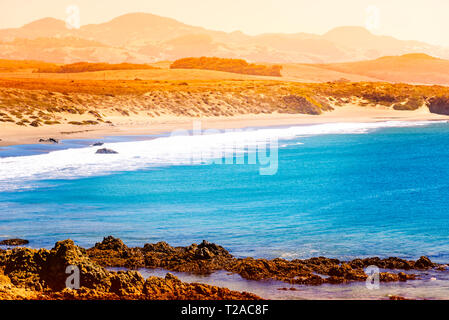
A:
[(340, 190)]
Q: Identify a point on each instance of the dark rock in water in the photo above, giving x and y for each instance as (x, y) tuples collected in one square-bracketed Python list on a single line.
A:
[(14, 242), (398, 298), (288, 289), (111, 243), (106, 151), (98, 144), (49, 140), (207, 250), (423, 263)]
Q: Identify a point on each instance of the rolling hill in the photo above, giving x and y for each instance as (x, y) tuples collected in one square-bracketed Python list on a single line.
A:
[(410, 68)]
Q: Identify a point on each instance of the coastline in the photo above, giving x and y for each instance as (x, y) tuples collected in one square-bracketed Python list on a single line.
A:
[(144, 125), (108, 271)]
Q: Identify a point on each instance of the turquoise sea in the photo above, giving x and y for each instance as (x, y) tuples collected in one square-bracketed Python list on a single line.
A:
[(342, 190)]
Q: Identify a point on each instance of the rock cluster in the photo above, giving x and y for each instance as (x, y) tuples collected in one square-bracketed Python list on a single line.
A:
[(42, 274), (206, 258)]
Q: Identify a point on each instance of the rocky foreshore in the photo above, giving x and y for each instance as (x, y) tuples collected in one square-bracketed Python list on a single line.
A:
[(42, 274)]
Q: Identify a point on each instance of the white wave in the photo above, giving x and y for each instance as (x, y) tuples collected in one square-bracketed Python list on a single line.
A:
[(19, 172)]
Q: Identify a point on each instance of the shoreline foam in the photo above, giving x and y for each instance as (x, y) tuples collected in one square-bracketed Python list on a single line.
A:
[(169, 150)]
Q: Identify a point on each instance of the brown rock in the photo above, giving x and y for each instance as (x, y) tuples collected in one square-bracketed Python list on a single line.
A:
[(160, 247), (127, 283), (111, 243), (423, 263), (172, 288), (42, 275), (112, 252), (66, 253), (24, 266), (14, 242)]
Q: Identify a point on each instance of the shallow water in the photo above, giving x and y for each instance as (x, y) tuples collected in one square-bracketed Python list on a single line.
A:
[(431, 285), (343, 191)]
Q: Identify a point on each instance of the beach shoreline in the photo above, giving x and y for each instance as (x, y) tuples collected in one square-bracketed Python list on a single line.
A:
[(11, 134)]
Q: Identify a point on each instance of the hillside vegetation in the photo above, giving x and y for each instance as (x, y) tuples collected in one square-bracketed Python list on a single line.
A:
[(37, 102), (228, 65), (18, 65), (90, 67)]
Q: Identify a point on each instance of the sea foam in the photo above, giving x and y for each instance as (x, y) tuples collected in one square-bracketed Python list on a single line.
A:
[(26, 171)]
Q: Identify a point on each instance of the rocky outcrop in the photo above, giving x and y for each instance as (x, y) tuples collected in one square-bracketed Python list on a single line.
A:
[(201, 259), (65, 254), (171, 288), (49, 140), (113, 252), (111, 243), (23, 266), (423, 263), (439, 105), (206, 258), (41, 274), (14, 242)]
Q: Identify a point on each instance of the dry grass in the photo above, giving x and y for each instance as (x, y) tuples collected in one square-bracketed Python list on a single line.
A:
[(228, 65), (90, 67), (38, 102)]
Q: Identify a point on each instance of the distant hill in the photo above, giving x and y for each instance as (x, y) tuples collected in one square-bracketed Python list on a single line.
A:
[(144, 38), (409, 68)]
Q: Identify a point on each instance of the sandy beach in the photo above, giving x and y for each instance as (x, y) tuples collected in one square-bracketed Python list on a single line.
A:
[(11, 134)]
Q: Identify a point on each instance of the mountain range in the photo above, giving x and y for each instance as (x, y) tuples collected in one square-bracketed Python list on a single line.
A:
[(145, 38)]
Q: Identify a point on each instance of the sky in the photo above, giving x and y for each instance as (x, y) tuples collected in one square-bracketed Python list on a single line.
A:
[(404, 19)]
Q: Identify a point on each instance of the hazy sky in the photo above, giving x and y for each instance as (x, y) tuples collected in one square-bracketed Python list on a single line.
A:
[(404, 19)]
